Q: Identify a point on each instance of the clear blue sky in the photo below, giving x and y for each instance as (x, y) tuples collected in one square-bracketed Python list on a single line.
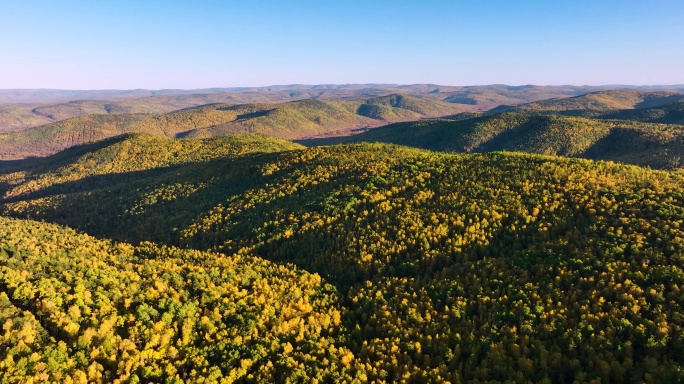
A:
[(122, 44)]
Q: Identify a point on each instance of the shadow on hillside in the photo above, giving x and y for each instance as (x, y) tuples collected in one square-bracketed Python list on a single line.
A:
[(60, 159), (499, 109), (125, 207), (620, 141), (606, 146), (320, 141), (150, 204), (246, 116), (660, 102), (345, 274), (17, 165), (513, 139)]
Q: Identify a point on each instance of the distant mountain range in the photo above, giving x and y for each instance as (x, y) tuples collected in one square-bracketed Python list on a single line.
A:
[(643, 128), (16, 96), (289, 120), (20, 109), (648, 134)]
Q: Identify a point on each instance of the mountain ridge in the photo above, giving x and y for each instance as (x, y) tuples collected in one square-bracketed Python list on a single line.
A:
[(605, 101), (295, 119), (647, 144), (20, 113)]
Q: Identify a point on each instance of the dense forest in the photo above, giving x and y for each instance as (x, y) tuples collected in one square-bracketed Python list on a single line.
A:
[(634, 140), (604, 101), (251, 259), (78, 309)]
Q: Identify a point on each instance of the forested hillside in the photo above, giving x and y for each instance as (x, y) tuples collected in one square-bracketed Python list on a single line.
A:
[(291, 120), (78, 309), (20, 116), (130, 153), (666, 114), (620, 125), (633, 142), (604, 101), (433, 267), (21, 109), (648, 107)]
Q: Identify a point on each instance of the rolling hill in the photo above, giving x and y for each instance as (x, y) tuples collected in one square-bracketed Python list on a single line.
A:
[(18, 116), (483, 98), (21, 109), (666, 114), (603, 101), (647, 144), (366, 262), (131, 153), (647, 107), (297, 119), (15, 117)]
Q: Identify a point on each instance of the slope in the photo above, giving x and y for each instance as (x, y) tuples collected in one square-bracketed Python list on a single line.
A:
[(311, 118), (290, 120), (456, 268), (666, 114), (646, 144), (388, 107), (483, 98), (131, 153), (603, 101), (78, 309), (51, 138), (22, 109), (18, 116)]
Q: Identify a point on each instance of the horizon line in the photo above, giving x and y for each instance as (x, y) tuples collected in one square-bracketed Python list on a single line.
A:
[(369, 85)]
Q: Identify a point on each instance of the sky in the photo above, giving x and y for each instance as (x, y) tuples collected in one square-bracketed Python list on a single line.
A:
[(103, 44)]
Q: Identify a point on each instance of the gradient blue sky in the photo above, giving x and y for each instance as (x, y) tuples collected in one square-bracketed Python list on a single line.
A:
[(98, 44)]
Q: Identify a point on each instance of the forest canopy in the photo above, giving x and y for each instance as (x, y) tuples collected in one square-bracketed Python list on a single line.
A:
[(367, 262)]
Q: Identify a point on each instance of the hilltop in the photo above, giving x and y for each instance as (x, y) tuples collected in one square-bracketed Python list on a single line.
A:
[(130, 153), (18, 116), (297, 119), (666, 114), (350, 262), (646, 144), (21, 109), (317, 117), (648, 107), (605, 101)]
